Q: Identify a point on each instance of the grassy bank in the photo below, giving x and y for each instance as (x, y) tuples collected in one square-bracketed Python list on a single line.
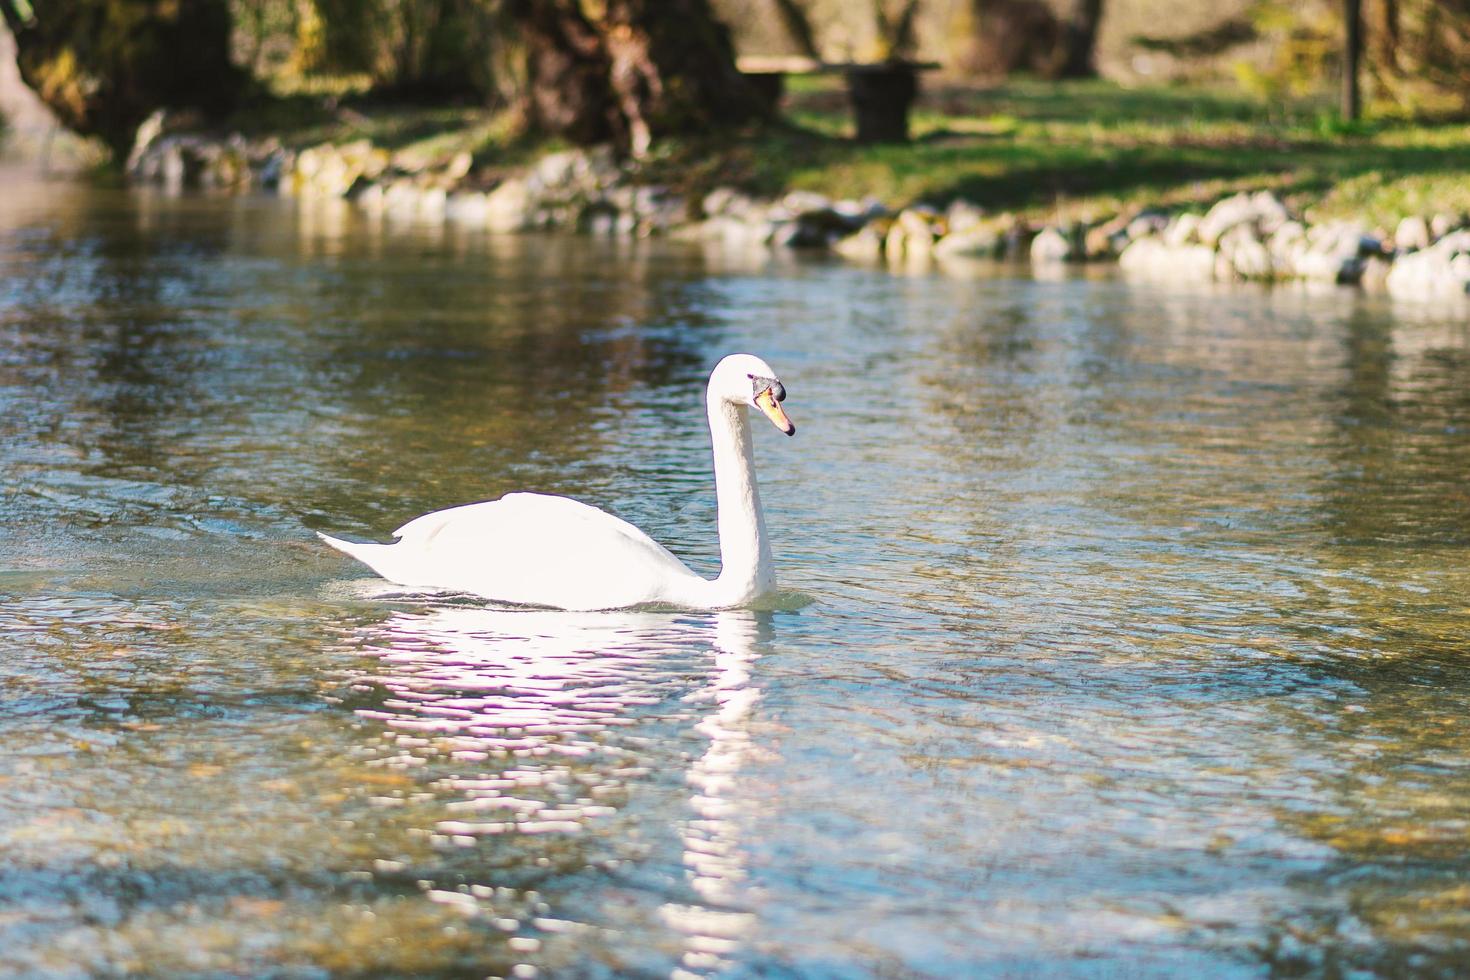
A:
[(1072, 151), (1087, 150)]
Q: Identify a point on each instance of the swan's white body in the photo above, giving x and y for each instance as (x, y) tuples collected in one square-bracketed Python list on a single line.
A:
[(542, 550)]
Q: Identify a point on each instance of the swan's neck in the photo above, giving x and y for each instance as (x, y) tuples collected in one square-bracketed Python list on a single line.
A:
[(746, 568)]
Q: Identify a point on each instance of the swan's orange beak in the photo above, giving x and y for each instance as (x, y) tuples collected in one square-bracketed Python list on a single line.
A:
[(767, 403)]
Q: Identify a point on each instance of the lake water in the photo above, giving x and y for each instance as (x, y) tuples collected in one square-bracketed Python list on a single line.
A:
[(1135, 641)]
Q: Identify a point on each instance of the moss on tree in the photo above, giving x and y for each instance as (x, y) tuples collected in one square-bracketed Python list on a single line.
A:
[(104, 65)]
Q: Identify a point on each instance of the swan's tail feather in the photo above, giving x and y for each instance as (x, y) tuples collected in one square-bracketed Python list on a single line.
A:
[(368, 553)]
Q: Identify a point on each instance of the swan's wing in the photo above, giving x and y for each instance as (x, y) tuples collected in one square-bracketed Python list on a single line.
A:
[(531, 548)]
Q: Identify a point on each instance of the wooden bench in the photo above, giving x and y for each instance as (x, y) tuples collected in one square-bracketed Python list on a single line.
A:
[(880, 92)]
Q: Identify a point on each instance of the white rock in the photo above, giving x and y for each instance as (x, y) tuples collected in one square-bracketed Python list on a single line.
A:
[(861, 212), (1050, 246), (603, 223), (555, 171), (787, 234), (1411, 234), (149, 131), (1148, 223), (400, 198), (466, 208), (909, 235), (659, 210), (895, 241), (1271, 211), (734, 233), (1154, 258), (308, 161), (864, 245), (1243, 255), (1375, 273), (1226, 214), (1263, 210), (459, 167), (432, 203), (174, 170), (509, 207), (1444, 223), (802, 202), (1287, 245), (1442, 270), (1335, 252), (1107, 239), (976, 241), (725, 200), (1183, 230), (918, 231), (371, 199), (962, 215)]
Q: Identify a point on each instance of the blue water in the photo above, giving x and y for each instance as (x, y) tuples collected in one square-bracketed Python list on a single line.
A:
[(1135, 641)]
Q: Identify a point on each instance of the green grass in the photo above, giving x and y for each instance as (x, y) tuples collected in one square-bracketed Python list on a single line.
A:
[(1089, 150), (1072, 151), (417, 134)]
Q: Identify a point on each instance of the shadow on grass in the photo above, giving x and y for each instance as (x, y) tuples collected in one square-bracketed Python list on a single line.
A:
[(1113, 157), (392, 124), (1020, 178), (1097, 102)]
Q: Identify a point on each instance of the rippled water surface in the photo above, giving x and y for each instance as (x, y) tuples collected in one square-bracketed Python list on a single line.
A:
[(1136, 642)]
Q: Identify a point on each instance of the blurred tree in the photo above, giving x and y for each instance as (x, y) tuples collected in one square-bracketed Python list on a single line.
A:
[(1352, 53), (897, 31), (1413, 56), (799, 26), (568, 73), (415, 48), (1421, 54), (1077, 57), (1387, 34), (264, 34), (894, 33), (1000, 37), (640, 70), (1302, 50), (102, 66)]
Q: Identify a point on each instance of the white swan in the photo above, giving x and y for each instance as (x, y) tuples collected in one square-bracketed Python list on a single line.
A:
[(542, 550)]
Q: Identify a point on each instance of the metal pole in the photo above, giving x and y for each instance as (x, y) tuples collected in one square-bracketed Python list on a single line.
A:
[(1352, 15)]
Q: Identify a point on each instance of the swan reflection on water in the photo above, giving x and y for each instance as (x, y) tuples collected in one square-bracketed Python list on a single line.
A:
[(548, 719)]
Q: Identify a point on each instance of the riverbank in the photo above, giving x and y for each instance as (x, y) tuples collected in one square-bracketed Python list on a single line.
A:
[(1204, 184)]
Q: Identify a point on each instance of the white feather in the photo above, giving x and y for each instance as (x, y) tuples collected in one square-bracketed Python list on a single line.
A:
[(527, 548), (543, 550)]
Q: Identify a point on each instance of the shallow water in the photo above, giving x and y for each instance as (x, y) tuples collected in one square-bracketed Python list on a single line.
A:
[(1136, 642)]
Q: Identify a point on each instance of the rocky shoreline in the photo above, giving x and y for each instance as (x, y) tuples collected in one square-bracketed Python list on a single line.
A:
[(1243, 237)]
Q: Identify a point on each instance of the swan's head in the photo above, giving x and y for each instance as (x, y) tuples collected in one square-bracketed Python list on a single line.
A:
[(744, 379)]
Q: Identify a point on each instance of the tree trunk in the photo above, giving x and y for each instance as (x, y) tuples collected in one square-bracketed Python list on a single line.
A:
[(896, 35), (799, 27), (103, 66), (1006, 36), (1079, 40), (1388, 31), (568, 69), (1352, 15), (646, 68), (673, 70), (419, 49)]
